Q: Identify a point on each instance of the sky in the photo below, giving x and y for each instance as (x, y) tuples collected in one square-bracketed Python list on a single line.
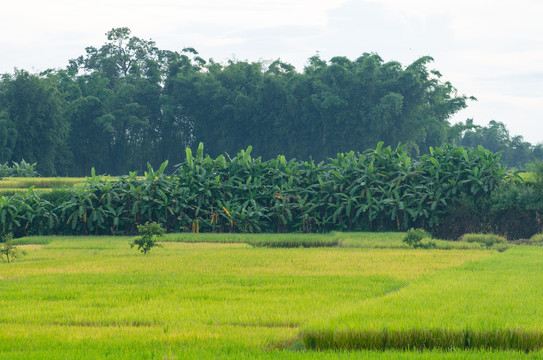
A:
[(492, 50)]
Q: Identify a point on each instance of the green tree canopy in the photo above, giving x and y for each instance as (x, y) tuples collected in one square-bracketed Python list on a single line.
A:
[(127, 103)]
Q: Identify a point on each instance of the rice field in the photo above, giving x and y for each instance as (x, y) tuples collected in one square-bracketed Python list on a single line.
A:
[(492, 303), (211, 297), (19, 185), (39, 182)]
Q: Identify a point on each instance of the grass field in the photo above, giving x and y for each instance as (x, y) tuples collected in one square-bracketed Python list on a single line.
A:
[(19, 185), (94, 297)]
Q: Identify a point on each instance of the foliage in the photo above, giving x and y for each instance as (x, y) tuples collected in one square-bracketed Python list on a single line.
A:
[(414, 238), (537, 238), (35, 107), (127, 102), (487, 240), (18, 169), (381, 189), (148, 234), (516, 208), (516, 152), (501, 247), (8, 250), (536, 169)]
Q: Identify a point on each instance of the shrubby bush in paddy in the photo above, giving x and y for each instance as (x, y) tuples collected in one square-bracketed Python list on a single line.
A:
[(487, 240), (414, 238), (8, 250), (537, 238), (148, 234)]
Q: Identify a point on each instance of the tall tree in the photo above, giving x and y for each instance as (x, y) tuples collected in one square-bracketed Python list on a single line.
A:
[(34, 105), (131, 111), (8, 136)]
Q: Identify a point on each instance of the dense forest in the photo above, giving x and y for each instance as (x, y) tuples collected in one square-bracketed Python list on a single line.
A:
[(128, 103)]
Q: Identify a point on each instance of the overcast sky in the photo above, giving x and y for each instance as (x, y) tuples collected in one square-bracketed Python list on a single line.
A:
[(492, 50)]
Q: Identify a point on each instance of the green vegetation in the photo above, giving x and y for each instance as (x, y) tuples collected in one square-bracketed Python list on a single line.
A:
[(94, 297), (127, 102), (487, 240), (379, 189), (20, 185), (537, 238), (260, 240), (148, 237), (18, 169), (8, 249), (516, 153), (39, 182), (490, 303), (362, 240), (414, 237), (220, 284)]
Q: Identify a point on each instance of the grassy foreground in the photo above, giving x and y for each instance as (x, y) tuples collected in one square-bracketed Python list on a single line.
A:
[(94, 297)]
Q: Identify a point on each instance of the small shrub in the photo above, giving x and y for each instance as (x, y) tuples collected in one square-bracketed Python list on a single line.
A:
[(414, 237), (484, 239), (500, 247), (8, 249), (147, 240)]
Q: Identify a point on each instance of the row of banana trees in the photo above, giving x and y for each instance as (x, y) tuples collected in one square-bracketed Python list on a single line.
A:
[(380, 189)]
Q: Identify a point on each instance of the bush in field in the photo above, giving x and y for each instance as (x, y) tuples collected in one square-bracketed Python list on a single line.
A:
[(537, 238), (414, 237), (147, 240), (8, 250), (487, 240), (501, 247)]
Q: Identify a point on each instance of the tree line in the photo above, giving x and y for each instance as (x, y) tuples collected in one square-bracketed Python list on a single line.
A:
[(380, 189), (128, 103)]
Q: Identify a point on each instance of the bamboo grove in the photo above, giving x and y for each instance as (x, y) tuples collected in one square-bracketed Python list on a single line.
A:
[(128, 102), (380, 189)]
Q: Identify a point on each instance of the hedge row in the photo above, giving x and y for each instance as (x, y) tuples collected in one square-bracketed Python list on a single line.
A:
[(380, 189)]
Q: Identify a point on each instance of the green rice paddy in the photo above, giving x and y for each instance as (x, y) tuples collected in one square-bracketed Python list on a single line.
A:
[(208, 296)]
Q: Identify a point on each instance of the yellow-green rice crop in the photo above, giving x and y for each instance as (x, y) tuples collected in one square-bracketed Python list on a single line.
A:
[(491, 303), (369, 240), (94, 297), (39, 182)]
